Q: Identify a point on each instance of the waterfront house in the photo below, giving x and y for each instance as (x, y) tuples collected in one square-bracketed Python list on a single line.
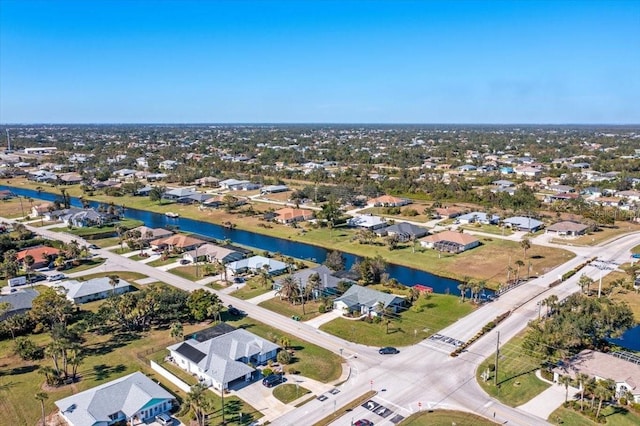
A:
[(450, 241), (257, 264), (366, 301)]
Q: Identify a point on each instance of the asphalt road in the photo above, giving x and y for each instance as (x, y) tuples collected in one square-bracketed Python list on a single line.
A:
[(422, 376)]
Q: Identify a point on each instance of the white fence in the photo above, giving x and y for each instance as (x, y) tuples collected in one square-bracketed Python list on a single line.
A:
[(169, 376)]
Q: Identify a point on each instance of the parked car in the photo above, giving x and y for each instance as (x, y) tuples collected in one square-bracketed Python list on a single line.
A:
[(56, 277), (363, 422), (164, 419), (636, 255), (238, 280), (273, 380), (388, 350), (37, 278), (184, 262), (93, 247), (234, 311)]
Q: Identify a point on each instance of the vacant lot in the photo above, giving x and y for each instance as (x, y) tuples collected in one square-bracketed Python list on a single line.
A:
[(15, 207), (614, 417), (286, 308), (438, 311)]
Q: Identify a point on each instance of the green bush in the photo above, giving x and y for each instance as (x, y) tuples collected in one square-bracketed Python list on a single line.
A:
[(267, 372), (284, 357)]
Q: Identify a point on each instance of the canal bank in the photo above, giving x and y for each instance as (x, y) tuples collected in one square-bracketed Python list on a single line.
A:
[(405, 275)]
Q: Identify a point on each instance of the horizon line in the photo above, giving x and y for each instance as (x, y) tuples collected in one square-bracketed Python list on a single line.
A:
[(326, 123)]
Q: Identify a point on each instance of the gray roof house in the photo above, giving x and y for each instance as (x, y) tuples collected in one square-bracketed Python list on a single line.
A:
[(522, 223), (177, 193), (224, 359), (257, 264), (405, 231), (212, 253), (130, 398), (95, 289), (329, 281), (20, 301), (479, 217), (367, 301)]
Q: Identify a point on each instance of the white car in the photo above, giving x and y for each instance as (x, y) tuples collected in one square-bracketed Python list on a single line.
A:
[(56, 277)]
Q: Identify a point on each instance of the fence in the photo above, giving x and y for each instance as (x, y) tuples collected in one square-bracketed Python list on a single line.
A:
[(169, 376)]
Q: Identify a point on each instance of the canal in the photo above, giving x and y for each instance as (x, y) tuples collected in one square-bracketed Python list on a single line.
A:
[(405, 275)]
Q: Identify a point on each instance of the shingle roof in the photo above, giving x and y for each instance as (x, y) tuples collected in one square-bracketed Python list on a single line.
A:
[(358, 295), (20, 300), (566, 226), (76, 289), (127, 394), (452, 236)]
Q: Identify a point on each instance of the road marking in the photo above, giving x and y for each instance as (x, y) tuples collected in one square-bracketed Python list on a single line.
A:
[(391, 403), (488, 404)]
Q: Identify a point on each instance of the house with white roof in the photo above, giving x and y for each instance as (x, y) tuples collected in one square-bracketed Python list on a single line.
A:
[(366, 301), (212, 253), (367, 222), (257, 264), (522, 223), (95, 289), (223, 360), (134, 398), (478, 217)]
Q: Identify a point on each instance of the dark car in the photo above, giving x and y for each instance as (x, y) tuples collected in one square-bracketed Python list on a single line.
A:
[(37, 278), (636, 255), (388, 350), (363, 422), (93, 247), (234, 311), (184, 261), (273, 380)]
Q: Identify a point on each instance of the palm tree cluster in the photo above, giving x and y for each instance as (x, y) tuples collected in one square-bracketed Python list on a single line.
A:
[(475, 288)]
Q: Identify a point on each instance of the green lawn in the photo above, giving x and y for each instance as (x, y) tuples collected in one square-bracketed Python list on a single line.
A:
[(161, 262), (614, 416), (189, 272), (287, 309), (100, 230), (289, 392), (517, 382), (106, 242), (439, 311), (251, 289), (86, 264), (125, 275), (310, 360), (445, 418), (489, 229)]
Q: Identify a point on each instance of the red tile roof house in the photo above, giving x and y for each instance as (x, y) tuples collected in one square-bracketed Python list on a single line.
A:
[(291, 215), (178, 242), (387, 201), (39, 254)]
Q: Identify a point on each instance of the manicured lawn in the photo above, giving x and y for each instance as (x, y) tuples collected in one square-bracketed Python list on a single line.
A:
[(106, 242), (489, 229), (100, 230), (445, 418), (189, 272), (439, 311), (419, 207), (517, 382), (124, 249), (216, 286), (615, 417), (161, 262), (288, 392), (125, 275), (310, 360), (86, 264), (251, 289), (287, 309), (631, 297)]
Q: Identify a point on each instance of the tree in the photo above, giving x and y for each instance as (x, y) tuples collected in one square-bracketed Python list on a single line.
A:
[(604, 391), (265, 275), (177, 331), (526, 245), (585, 281), (26, 349), (565, 381), (198, 402), (335, 260), (113, 282), (392, 241), (582, 382), (285, 342), (284, 357), (199, 302), (313, 285), (51, 307), (28, 263), (519, 263), (463, 287), (289, 288), (42, 396), (156, 194)]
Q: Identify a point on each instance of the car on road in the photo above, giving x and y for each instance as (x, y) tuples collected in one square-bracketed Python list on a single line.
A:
[(363, 422), (93, 247), (234, 311), (37, 278), (184, 261), (273, 380), (164, 419), (636, 255), (388, 350), (56, 277)]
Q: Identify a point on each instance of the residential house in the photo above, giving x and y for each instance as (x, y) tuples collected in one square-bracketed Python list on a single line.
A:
[(450, 241), (178, 242), (503, 183), (293, 215), (405, 231), (124, 173), (70, 178), (238, 185), (85, 218), (41, 209), (617, 366), (149, 234), (478, 217), (328, 280), (94, 289), (447, 212), (208, 181), (366, 301), (212, 253), (196, 198), (257, 264), (272, 189), (168, 164), (178, 193), (528, 171), (224, 360), (42, 255), (467, 168), (568, 228), (133, 398), (387, 201), (367, 222), (20, 300), (522, 223)]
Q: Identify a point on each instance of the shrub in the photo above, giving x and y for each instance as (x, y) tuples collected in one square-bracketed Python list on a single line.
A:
[(284, 357), (322, 309), (267, 371), (27, 350)]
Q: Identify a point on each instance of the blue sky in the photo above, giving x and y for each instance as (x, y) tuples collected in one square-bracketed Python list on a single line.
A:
[(319, 61)]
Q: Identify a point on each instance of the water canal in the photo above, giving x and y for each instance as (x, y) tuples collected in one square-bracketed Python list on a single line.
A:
[(405, 275)]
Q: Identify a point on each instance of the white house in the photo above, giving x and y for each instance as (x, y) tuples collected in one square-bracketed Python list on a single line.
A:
[(367, 222), (450, 241), (478, 217), (95, 289), (223, 359), (212, 253), (134, 398), (365, 301), (257, 264)]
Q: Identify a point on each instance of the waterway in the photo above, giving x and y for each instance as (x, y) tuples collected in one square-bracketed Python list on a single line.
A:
[(629, 340), (405, 275)]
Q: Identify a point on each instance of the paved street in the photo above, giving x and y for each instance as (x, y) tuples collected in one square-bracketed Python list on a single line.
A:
[(423, 373)]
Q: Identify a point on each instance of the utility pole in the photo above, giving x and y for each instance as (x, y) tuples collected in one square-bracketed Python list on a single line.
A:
[(600, 285), (495, 378)]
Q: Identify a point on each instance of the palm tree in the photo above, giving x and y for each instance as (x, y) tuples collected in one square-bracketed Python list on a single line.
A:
[(177, 331), (551, 302), (28, 263), (582, 381), (113, 282), (42, 396), (264, 273), (463, 287), (519, 263), (288, 288), (285, 342), (197, 401), (526, 245), (566, 381), (313, 285), (585, 281), (605, 390)]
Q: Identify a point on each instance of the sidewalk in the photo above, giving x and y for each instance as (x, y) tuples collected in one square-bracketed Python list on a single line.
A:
[(324, 318), (546, 402), (259, 299)]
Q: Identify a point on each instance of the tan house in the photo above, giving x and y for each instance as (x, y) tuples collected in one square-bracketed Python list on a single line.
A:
[(178, 242), (387, 201), (450, 241), (568, 228), (291, 215)]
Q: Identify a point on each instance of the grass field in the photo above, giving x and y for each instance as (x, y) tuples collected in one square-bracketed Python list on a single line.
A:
[(189, 272), (631, 297), (439, 311), (613, 415), (87, 232), (13, 208), (173, 258), (289, 392), (604, 234), (445, 418), (287, 309), (125, 275), (517, 382), (252, 288), (86, 264)]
